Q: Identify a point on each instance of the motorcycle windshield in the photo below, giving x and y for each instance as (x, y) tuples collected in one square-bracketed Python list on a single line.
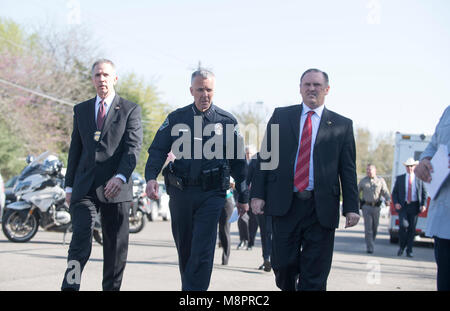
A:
[(35, 166)]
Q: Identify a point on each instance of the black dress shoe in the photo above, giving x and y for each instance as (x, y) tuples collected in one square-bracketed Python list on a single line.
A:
[(267, 266), (400, 252), (410, 255), (242, 244)]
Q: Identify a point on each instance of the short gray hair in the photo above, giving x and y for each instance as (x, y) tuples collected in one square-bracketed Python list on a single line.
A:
[(102, 61), (325, 75), (201, 72)]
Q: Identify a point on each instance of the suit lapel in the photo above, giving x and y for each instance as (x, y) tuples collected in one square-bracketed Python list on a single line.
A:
[(91, 124), (111, 114), (325, 126), (294, 119)]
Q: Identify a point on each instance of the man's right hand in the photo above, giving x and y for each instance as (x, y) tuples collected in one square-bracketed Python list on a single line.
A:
[(397, 206), (68, 197), (257, 206), (423, 170), (152, 189)]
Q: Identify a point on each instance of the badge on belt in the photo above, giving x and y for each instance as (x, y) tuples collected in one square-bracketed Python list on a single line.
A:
[(97, 135)]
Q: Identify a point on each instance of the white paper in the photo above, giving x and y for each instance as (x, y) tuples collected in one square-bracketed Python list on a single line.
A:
[(235, 216), (440, 171)]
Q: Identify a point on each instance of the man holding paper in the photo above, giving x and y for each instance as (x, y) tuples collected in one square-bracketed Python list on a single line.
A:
[(438, 225)]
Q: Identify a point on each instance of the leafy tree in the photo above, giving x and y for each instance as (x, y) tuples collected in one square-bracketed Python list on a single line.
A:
[(153, 111), (11, 152)]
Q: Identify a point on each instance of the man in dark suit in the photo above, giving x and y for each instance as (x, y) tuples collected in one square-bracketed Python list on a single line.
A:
[(409, 196), (104, 150), (308, 155)]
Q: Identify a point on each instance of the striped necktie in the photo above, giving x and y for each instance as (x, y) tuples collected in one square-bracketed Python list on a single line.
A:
[(301, 178)]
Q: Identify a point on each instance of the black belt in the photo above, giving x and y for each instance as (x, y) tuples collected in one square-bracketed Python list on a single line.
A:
[(412, 203), (304, 195), (372, 204), (192, 182)]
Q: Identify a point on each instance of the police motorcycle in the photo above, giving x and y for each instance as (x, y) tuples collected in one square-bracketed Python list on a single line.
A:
[(40, 201)]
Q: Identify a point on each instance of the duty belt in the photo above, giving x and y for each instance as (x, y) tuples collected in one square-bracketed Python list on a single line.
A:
[(192, 182), (304, 195), (372, 203)]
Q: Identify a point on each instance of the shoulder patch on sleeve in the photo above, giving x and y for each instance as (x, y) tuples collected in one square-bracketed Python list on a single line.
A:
[(164, 125)]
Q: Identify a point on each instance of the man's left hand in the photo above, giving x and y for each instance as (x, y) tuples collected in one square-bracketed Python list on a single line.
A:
[(351, 219), (113, 187), (242, 208)]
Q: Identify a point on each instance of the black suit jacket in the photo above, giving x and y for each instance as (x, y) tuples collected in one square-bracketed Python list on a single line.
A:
[(399, 191), (92, 163), (334, 166)]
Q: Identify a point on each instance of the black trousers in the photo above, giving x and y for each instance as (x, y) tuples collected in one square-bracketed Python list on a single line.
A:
[(442, 256), (195, 215), (265, 229), (302, 249), (115, 231), (224, 229), (407, 225), (252, 228)]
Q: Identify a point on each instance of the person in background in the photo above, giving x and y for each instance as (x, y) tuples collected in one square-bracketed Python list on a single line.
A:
[(373, 189), (224, 224), (264, 222), (409, 197), (438, 219)]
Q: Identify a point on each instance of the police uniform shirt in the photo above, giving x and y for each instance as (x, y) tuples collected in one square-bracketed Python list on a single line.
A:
[(181, 122), (372, 189)]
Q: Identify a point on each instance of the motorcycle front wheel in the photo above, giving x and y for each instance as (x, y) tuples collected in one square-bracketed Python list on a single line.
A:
[(16, 226), (137, 222)]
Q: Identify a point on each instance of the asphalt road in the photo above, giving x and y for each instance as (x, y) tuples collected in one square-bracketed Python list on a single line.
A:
[(152, 264)]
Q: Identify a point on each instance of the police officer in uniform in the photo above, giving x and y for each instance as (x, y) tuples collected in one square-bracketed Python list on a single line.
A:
[(373, 188), (208, 149)]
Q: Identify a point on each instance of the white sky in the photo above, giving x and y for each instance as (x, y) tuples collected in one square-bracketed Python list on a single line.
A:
[(388, 61)]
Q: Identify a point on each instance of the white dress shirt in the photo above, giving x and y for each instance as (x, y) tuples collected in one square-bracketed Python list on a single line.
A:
[(413, 188), (315, 122), (108, 102)]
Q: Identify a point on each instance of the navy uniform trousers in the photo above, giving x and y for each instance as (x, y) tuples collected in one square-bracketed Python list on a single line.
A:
[(195, 215), (115, 232)]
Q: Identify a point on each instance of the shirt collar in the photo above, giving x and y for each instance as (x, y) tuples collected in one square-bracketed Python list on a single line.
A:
[(208, 114), (318, 110), (108, 100)]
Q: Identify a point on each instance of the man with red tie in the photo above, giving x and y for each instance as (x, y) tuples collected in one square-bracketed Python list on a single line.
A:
[(409, 196), (316, 159)]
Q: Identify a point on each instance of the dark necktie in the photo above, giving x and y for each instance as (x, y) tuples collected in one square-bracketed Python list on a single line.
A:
[(301, 177), (101, 114)]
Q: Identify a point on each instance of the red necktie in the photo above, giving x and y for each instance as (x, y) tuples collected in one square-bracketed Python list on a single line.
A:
[(101, 114), (301, 178), (409, 197)]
